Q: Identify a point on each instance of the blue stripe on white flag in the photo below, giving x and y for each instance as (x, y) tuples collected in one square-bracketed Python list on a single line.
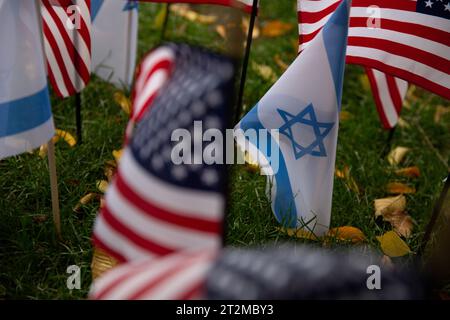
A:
[(25, 113)]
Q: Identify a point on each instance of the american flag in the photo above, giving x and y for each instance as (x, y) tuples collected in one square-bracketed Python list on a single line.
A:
[(155, 207), (411, 42), (67, 43), (246, 5), (178, 276)]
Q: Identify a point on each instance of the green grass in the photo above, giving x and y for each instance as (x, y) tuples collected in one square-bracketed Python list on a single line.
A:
[(33, 263)]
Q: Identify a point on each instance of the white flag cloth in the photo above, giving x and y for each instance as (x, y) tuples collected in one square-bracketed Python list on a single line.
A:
[(303, 105), (25, 115), (114, 40)]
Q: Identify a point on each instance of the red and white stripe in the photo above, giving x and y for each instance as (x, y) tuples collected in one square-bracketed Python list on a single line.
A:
[(68, 52), (388, 93), (179, 276), (246, 5), (408, 45), (145, 217)]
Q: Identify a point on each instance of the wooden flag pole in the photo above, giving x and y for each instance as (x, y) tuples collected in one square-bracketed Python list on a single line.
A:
[(388, 145), (78, 118), (54, 187), (240, 102)]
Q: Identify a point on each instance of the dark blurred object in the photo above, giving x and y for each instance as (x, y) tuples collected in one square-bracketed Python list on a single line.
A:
[(303, 272)]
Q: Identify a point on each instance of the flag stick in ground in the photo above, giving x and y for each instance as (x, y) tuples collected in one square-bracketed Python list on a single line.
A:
[(54, 187), (165, 22), (240, 102), (78, 118), (434, 217), (388, 145)]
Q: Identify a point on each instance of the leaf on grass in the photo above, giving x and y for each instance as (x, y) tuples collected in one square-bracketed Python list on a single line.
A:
[(184, 12), (401, 221), (245, 26), (85, 200), (388, 205), (364, 80), (123, 102), (160, 17), (403, 124), (349, 181), (299, 233), (345, 115), (102, 185), (276, 28), (399, 188), (440, 111), (346, 233), (117, 154), (280, 63), (40, 218), (392, 245), (221, 30), (66, 136), (413, 172), (109, 170), (264, 71), (397, 155)]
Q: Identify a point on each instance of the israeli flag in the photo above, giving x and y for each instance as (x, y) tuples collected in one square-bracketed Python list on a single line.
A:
[(25, 115), (303, 106), (114, 40)]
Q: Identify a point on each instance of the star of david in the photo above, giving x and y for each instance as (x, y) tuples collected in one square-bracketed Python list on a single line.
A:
[(307, 117)]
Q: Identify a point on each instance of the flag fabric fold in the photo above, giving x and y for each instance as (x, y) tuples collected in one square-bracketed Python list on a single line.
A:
[(25, 115), (67, 41), (303, 105)]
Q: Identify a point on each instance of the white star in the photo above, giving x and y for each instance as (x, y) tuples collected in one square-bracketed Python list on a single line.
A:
[(447, 7), (428, 3)]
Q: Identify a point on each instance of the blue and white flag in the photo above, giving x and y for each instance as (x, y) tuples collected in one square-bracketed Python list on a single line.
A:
[(303, 105), (25, 115), (114, 40)]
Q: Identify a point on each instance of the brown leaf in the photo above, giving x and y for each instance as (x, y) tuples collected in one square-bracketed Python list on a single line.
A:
[(403, 124), (392, 245), (346, 233), (102, 185), (85, 200), (40, 218), (184, 12), (397, 155), (412, 172), (398, 188), (245, 26), (299, 233), (109, 171), (349, 181), (400, 221), (221, 30), (276, 28), (280, 63), (440, 111), (345, 115), (265, 71), (388, 205)]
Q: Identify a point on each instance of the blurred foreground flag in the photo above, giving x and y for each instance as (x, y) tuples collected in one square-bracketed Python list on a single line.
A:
[(304, 106), (25, 116), (67, 38), (166, 197), (114, 40)]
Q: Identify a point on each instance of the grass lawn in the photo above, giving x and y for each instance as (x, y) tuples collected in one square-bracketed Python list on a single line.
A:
[(33, 263)]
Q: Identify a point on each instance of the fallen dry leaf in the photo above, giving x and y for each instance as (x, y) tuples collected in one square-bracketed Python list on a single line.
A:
[(102, 185), (349, 181), (85, 200), (117, 154), (276, 28), (184, 12), (397, 155), (66, 136), (345, 115), (346, 233), (280, 63), (401, 221), (265, 71), (246, 25), (109, 171), (403, 124), (123, 102), (392, 245), (221, 30), (299, 233), (413, 172), (388, 205), (440, 111), (364, 80), (398, 187)]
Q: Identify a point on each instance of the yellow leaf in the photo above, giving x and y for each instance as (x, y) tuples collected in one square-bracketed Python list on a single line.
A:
[(245, 26), (403, 124), (102, 185), (349, 181), (265, 72), (388, 205), (364, 80), (123, 102), (160, 17), (280, 63), (345, 115), (276, 28), (397, 155), (85, 200), (412, 172), (440, 111), (66, 136), (109, 171), (299, 233), (392, 245), (251, 164), (184, 12), (346, 233), (43, 151), (117, 154), (398, 187), (221, 30)]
